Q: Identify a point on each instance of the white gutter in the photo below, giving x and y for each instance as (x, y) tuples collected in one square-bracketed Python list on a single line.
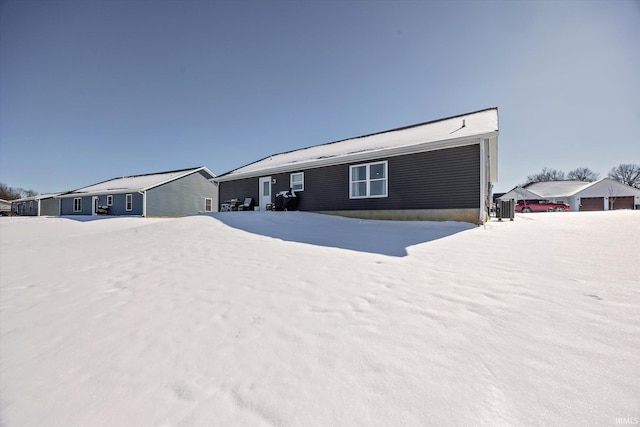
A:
[(484, 173)]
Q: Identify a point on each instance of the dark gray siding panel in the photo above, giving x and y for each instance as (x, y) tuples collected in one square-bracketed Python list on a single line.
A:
[(240, 189), (442, 179), (181, 197), (50, 207)]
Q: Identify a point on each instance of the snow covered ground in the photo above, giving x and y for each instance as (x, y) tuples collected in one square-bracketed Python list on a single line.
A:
[(298, 319)]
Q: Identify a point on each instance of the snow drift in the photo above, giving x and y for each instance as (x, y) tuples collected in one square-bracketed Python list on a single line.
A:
[(290, 318)]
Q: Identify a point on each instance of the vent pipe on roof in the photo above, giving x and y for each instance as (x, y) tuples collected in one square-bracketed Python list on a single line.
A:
[(463, 123)]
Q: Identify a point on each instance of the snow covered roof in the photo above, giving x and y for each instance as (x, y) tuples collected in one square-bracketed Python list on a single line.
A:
[(519, 193), (607, 187), (552, 189), (443, 133), (135, 183), (557, 189), (36, 197)]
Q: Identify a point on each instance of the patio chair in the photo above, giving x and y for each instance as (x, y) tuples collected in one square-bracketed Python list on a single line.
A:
[(247, 205)]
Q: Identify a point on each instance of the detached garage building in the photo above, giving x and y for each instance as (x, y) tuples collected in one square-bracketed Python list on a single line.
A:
[(605, 194)]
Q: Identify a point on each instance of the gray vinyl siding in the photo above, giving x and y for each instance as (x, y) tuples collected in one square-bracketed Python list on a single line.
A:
[(50, 207), (25, 209), (181, 197), (66, 206), (442, 179), (119, 206), (239, 189)]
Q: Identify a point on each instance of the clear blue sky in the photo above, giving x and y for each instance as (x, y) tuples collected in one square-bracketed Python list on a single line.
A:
[(91, 90)]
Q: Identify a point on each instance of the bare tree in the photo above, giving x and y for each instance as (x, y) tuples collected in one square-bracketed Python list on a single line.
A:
[(10, 193), (583, 174), (613, 194), (547, 174), (628, 174)]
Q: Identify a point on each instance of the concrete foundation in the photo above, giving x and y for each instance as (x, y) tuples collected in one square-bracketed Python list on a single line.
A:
[(463, 215)]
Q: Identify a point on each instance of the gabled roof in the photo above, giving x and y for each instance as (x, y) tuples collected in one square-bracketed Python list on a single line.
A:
[(443, 133), (135, 183), (557, 189), (607, 187), (550, 189), (519, 193)]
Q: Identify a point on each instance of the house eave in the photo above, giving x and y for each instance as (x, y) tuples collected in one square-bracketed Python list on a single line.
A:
[(360, 156), (100, 193)]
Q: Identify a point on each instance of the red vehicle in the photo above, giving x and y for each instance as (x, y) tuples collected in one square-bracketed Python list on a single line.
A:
[(525, 206)]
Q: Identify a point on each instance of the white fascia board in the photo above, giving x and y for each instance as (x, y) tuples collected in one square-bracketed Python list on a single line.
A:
[(361, 156)]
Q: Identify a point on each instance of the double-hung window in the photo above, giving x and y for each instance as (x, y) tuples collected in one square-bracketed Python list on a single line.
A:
[(77, 204), (208, 205), (109, 200), (368, 180), (296, 181), (129, 202)]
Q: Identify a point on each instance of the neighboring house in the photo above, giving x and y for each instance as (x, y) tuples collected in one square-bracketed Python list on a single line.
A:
[(607, 194), (604, 194), (5, 207), (173, 193), (438, 170), (40, 205)]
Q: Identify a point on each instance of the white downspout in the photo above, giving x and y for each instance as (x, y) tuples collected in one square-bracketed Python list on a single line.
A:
[(144, 203), (484, 149), (39, 211)]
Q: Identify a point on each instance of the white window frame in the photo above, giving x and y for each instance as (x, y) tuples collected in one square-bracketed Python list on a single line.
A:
[(368, 180), (207, 199), (109, 200), (128, 202), (77, 204), (291, 181)]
